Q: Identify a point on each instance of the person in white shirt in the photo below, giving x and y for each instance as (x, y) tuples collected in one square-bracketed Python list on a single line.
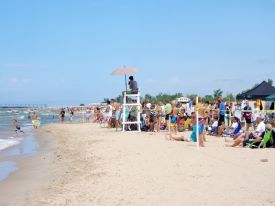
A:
[(148, 105), (238, 110), (214, 127), (256, 113), (109, 113)]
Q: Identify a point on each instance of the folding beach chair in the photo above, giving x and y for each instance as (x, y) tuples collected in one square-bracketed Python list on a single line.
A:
[(266, 139)]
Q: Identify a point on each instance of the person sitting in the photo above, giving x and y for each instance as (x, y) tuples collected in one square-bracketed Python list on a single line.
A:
[(213, 130), (265, 140), (273, 134), (133, 85), (187, 122), (181, 121), (237, 127), (250, 136), (176, 137)]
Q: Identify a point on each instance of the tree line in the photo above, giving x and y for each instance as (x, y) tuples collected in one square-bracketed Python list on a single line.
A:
[(162, 97)]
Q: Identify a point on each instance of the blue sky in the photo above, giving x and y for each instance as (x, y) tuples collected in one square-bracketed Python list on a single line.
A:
[(63, 52)]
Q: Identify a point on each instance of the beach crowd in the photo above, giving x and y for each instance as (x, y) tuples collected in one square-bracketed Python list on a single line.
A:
[(244, 122)]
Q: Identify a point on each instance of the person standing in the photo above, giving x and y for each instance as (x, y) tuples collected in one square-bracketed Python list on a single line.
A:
[(227, 115), (168, 111), (109, 113), (71, 114), (238, 111), (117, 110), (222, 109), (159, 111), (16, 126), (247, 114), (35, 120), (62, 115)]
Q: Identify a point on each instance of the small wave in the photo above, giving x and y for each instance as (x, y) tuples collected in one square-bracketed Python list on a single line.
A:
[(27, 124), (22, 117), (6, 143)]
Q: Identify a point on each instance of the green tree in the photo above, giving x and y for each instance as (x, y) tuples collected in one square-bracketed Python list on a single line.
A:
[(162, 97), (106, 100), (149, 97), (119, 98), (191, 96), (208, 98), (217, 93), (229, 98), (270, 82)]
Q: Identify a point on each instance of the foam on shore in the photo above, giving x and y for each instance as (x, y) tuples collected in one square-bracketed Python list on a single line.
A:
[(6, 143)]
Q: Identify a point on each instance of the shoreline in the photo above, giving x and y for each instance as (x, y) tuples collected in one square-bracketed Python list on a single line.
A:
[(83, 164), (31, 171)]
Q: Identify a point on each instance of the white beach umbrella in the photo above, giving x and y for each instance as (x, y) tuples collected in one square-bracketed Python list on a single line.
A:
[(124, 71), (183, 99)]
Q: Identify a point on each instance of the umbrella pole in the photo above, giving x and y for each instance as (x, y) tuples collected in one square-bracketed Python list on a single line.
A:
[(125, 83)]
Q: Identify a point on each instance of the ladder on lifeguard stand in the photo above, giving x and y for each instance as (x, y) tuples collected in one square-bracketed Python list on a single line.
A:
[(135, 104)]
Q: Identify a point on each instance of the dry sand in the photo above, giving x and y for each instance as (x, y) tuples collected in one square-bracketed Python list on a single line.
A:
[(96, 166)]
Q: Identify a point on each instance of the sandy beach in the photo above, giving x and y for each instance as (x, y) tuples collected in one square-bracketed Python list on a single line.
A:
[(83, 164)]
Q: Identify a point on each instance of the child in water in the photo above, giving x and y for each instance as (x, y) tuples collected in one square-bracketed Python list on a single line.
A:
[(17, 126)]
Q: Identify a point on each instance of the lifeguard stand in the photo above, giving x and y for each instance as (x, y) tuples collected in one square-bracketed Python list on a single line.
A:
[(129, 105)]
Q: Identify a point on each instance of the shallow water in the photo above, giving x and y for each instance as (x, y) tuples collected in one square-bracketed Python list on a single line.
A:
[(21, 143), (6, 168)]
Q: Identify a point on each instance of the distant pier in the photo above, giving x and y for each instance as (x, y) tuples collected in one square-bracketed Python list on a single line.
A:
[(23, 106)]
